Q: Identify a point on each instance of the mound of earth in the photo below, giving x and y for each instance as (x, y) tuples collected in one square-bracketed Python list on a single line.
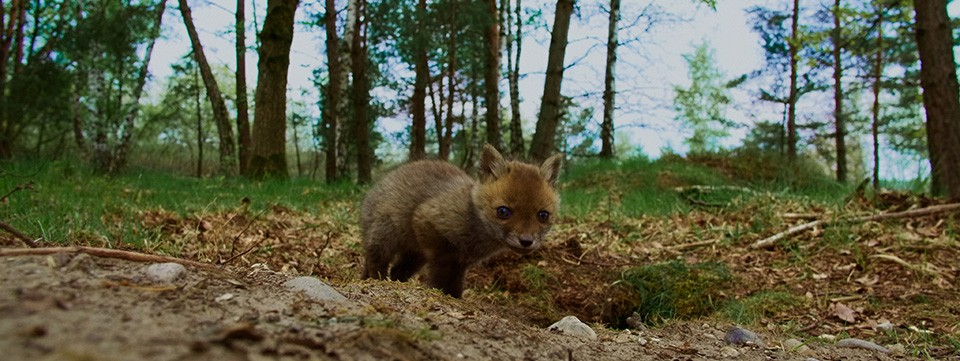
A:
[(72, 306)]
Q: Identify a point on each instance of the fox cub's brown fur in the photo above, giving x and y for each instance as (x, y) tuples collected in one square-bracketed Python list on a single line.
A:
[(432, 213)]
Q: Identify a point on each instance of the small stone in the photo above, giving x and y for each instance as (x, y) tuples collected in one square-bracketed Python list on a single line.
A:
[(642, 341), (858, 343), (740, 336), (314, 289), (571, 325), (165, 273), (727, 351), (897, 350), (635, 321), (225, 297), (797, 346)]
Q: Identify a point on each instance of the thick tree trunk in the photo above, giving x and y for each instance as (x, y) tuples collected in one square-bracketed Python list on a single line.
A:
[(346, 65), (542, 144), (244, 143), (792, 102), (361, 97), (333, 91), (123, 148), (840, 128), (269, 156), (220, 114), (418, 138), (513, 74), (875, 124), (941, 97), (609, 80), (492, 79)]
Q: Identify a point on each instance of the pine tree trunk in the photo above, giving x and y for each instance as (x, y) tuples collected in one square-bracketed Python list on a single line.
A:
[(123, 148), (542, 145), (941, 97), (418, 140), (361, 97), (609, 80), (840, 128), (269, 120), (244, 143), (334, 91), (875, 124), (345, 128), (792, 102), (447, 136), (492, 79), (513, 74), (221, 115)]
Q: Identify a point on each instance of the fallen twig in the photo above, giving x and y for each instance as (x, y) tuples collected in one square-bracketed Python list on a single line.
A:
[(30, 242), (693, 244), (770, 241), (27, 185), (103, 252)]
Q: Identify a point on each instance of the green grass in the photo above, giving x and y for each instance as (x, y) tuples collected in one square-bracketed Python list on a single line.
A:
[(672, 290), (757, 306), (69, 202)]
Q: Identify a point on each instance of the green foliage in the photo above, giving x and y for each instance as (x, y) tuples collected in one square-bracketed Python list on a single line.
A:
[(760, 305), (70, 203), (674, 290), (702, 105)]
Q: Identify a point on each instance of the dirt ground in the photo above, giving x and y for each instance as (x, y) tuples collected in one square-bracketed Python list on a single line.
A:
[(78, 307)]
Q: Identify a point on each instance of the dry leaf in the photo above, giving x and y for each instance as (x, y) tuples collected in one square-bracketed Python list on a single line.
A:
[(844, 313)]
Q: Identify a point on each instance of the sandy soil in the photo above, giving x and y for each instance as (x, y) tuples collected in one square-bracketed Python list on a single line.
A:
[(78, 307)]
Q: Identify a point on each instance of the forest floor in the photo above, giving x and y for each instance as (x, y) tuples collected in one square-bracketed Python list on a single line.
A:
[(689, 277)]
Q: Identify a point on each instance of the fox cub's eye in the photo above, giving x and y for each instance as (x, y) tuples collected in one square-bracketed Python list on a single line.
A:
[(543, 216), (503, 212)]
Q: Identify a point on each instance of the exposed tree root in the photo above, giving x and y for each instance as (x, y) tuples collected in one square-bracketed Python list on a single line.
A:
[(103, 252)]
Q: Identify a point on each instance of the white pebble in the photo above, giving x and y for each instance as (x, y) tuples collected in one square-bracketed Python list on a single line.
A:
[(165, 273), (314, 288), (571, 325)]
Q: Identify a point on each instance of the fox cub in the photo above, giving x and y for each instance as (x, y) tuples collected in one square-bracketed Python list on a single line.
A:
[(432, 213)]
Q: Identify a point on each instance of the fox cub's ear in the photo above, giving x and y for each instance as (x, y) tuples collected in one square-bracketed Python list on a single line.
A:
[(492, 165), (550, 169)]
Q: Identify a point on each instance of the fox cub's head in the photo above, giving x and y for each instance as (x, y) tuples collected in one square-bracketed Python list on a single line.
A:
[(520, 198)]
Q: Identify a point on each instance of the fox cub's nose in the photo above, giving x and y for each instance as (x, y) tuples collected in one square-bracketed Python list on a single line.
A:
[(526, 241)]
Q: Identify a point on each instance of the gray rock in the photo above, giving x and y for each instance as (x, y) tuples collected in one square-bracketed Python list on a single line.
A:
[(571, 325), (740, 336), (165, 273), (314, 289), (795, 345), (858, 343)]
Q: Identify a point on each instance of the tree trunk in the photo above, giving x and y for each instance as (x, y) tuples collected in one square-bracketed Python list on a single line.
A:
[(244, 143), (361, 97), (610, 88), (838, 115), (220, 114), (7, 123), (492, 79), (269, 120), (447, 135), (542, 145), (941, 97), (346, 52), (123, 149), (792, 102), (875, 124), (513, 74), (333, 91), (199, 127), (418, 140)]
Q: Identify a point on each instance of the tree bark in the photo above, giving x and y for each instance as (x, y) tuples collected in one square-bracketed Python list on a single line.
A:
[(220, 114), (199, 126), (333, 91), (875, 124), (941, 97), (492, 79), (840, 128), (418, 138), (792, 112), (446, 137), (7, 123), (123, 148), (269, 123), (344, 130), (542, 145), (610, 88), (361, 96), (244, 143), (513, 74)]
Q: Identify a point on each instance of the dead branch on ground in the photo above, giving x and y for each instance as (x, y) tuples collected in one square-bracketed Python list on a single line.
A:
[(770, 241), (104, 252), (30, 242)]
